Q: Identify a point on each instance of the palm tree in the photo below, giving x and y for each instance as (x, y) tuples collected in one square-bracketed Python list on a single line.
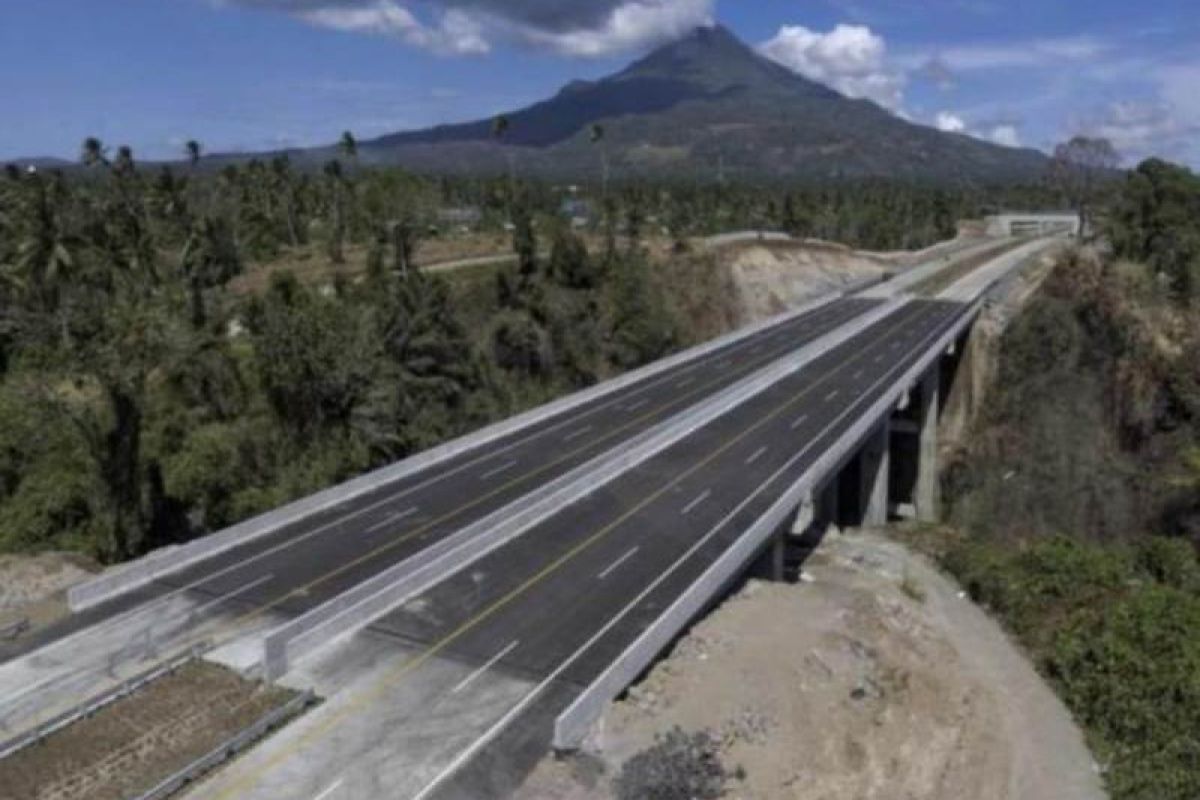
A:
[(597, 137), (193, 150), (124, 163), (333, 171), (348, 145), (500, 128), (93, 152)]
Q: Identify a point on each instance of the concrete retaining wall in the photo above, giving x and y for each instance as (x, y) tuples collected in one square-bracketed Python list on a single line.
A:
[(172, 559), (573, 724), (356, 608)]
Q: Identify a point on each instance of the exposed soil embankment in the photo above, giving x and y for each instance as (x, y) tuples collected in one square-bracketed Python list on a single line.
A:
[(875, 678), (771, 277)]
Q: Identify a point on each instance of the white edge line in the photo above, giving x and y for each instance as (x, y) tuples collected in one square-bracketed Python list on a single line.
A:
[(502, 468), (490, 663), (690, 507), (613, 566), (332, 788)]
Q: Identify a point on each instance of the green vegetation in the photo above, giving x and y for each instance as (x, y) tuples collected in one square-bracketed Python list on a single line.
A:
[(1157, 223), (1081, 489), (1114, 629), (146, 401)]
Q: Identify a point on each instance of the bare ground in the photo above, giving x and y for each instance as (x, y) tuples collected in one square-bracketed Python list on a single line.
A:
[(877, 680), (33, 588), (772, 277), (131, 745)]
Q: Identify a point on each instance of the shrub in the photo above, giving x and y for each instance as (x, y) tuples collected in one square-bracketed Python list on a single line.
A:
[(1131, 674), (679, 766)]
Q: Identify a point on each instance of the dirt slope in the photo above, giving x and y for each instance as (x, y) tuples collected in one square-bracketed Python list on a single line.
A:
[(876, 680)]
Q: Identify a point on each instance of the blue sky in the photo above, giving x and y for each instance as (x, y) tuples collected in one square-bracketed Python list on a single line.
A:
[(259, 74)]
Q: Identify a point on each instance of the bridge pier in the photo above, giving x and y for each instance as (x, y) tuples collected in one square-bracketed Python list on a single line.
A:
[(927, 493), (875, 476)]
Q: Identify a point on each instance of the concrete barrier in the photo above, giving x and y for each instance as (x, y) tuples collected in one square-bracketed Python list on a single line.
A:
[(572, 725), (358, 607), (172, 559)]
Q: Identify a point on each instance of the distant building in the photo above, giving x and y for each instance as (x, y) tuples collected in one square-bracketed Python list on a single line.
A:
[(464, 217), (1033, 223)]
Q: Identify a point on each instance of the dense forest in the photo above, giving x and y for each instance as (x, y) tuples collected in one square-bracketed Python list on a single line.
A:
[(144, 400)]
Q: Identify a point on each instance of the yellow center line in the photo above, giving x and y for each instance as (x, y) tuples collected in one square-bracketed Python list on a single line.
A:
[(461, 509), (397, 674)]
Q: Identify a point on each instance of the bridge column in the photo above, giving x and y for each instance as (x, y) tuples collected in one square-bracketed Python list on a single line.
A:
[(829, 502), (876, 474), (778, 566), (928, 490)]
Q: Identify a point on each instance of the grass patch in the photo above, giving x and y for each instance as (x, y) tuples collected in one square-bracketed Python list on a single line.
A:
[(1114, 628)]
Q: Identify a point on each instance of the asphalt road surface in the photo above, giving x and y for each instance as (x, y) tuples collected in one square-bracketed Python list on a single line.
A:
[(532, 623), (302, 565)]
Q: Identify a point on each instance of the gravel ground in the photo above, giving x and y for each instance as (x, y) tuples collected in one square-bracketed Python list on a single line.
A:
[(875, 679), (131, 745)]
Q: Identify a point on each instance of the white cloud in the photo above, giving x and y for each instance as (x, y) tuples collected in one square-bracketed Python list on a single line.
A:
[(456, 33), (1007, 135), (586, 28), (850, 58), (628, 26), (1002, 133), (1009, 55), (1140, 129), (950, 123)]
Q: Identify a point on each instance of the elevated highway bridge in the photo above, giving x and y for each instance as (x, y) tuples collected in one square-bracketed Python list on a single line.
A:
[(466, 610)]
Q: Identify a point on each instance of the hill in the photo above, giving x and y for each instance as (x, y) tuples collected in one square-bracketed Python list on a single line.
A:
[(702, 106)]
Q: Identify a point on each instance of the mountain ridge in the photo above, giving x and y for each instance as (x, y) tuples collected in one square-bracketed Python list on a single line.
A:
[(703, 100)]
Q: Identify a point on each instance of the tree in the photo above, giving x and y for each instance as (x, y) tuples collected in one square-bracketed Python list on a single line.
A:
[(1156, 221), (500, 130), (337, 179), (124, 165), (314, 353), (598, 138), (193, 151), (93, 152), (1079, 168), (348, 145)]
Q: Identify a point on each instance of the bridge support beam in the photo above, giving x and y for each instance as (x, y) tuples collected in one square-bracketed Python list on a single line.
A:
[(927, 496), (829, 502), (778, 556), (876, 476)]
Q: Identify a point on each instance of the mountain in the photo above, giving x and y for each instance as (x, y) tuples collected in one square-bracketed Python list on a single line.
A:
[(704, 105)]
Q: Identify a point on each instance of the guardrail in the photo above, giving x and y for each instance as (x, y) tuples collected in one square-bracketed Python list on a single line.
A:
[(358, 607), (229, 748), (172, 559), (572, 725), (126, 688)]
